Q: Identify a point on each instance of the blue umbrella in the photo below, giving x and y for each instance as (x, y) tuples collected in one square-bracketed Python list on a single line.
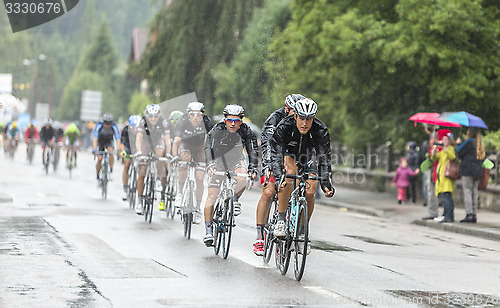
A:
[(463, 118)]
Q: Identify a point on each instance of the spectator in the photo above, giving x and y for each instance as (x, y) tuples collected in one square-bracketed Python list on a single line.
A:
[(413, 163), (471, 152), (401, 179), (444, 185)]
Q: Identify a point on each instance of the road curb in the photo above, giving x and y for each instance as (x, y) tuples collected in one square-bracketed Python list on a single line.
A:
[(461, 229)]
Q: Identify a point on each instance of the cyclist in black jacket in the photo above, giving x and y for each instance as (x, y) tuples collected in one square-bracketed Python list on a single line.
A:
[(298, 142), (224, 150), (189, 136), (268, 191)]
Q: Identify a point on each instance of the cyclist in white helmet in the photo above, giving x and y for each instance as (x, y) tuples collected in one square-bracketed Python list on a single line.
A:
[(267, 180), (225, 147), (189, 135), (152, 136), (128, 137), (299, 143)]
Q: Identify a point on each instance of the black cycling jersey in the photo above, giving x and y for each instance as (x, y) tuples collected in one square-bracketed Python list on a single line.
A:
[(154, 133), (47, 134), (220, 142), (267, 134), (287, 140), (128, 140), (192, 136)]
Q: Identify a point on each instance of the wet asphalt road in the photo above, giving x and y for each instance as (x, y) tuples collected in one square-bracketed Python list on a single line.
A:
[(61, 245)]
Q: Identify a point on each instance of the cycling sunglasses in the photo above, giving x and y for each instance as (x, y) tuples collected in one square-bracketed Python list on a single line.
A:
[(195, 114), (233, 120), (305, 118), (153, 115)]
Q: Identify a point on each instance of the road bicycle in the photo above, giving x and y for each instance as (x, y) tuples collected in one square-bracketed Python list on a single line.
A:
[(71, 163), (269, 238), (104, 173), (31, 151), (223, 221), (297, 228), (150, 184), (50, 153), (132, 182), (171, 192), (188, 201)]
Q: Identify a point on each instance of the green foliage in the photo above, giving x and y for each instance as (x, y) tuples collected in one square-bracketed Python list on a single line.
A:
[(492, 141), (246, 80), (70, 106), (138, 103), (372, 65), (193, 38)]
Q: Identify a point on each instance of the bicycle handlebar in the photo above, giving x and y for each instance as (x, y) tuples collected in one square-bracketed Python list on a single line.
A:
[(190, 163), (224, 173)]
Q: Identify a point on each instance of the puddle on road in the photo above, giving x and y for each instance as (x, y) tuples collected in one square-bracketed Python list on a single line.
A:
[(330, 247), (371, 240), (445, 299)]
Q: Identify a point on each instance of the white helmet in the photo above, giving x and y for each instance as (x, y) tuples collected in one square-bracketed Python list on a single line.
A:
[(235, 110), (306, 108), (196, 106), (292, 99), (152, 109)]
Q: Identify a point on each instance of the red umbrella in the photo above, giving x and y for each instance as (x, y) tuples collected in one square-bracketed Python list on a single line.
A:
[(432, 119)]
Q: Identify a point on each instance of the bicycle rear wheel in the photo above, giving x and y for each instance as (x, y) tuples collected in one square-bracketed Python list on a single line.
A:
[(31, 150), (104, 181), (170, 198), (132, 186), (283, 252), (228, 220), (300, 253), (268, 230)]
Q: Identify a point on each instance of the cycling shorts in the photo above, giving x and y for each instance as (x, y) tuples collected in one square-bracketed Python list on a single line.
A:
[(197, 153), (272, 179)]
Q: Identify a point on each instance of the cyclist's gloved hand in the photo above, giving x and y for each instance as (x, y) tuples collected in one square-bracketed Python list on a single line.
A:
[(94, 151), (252, 173), (211, 169), (174, 160), (329, 193)]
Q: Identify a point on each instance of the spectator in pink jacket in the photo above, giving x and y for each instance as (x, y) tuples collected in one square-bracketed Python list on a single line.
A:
[(402, 179)]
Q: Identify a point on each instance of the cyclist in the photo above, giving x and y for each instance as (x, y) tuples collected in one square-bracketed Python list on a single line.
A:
[(127, 148), (13, 135), (5, 133), (268, 191), (104, 133), (298, 142), (174, 117), (59, 141), (31, 135), (189, 135), (224, 150), (152, 135), (72, 134), (47, 137)]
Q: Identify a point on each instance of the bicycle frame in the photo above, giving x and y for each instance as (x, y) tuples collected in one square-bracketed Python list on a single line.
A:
[(150, 184)]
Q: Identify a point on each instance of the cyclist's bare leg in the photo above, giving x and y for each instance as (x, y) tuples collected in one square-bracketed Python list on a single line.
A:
[(263, 205), (111, 156), (184, 156), (98, 164), (200, 174), (241, 182), (209, 204), (140, 180), (126, 167), (284, 195), (310, 192)]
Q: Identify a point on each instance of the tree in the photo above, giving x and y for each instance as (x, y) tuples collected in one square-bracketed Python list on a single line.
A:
[(192, 38), (246, 80), (138, 103), (371, 65)]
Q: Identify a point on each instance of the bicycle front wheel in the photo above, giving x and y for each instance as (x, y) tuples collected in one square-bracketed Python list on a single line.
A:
[(187, 210), (301, 240), (268, 230), (217, 225), (148, 216), (132, 186), (228, 221)]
